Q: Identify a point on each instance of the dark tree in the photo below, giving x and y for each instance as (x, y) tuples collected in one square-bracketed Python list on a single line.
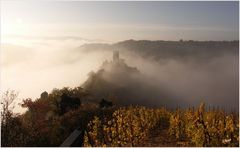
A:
[(68, 103), (105, 103)]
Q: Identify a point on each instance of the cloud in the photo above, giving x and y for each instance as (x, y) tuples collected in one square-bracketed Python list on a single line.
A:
[(13, 54), (40, 64)]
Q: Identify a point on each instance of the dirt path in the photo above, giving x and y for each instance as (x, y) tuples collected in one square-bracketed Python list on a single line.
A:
[(160, 138)]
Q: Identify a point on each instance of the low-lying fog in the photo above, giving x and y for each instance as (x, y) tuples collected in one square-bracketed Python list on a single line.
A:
[(43, 64)]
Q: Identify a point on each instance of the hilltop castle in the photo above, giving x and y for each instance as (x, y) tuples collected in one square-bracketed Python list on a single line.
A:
[(117, 65), (115, 55), (116, 58)]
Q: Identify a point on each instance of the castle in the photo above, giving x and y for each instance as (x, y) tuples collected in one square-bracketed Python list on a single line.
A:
[(116, 58), (117, 65), (115, 55)]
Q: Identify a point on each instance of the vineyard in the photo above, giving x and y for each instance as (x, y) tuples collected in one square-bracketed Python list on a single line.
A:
[(46, 124), (131, 126)]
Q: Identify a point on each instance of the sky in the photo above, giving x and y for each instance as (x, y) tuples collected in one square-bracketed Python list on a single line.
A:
[(116, 21)]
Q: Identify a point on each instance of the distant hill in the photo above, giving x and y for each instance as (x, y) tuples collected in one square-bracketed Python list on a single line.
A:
[(160, 50)]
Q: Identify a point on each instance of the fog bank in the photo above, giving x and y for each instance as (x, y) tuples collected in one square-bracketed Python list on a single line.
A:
[(183, 72)]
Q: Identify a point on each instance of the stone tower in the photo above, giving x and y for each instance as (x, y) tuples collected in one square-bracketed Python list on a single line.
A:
[(115, 55), (44, 95)]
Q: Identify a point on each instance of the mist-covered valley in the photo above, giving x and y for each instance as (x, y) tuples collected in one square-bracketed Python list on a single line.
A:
[(173, 74), (151, 73)]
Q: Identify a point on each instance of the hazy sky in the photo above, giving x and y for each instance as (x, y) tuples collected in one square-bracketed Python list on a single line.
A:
[(114, 21)]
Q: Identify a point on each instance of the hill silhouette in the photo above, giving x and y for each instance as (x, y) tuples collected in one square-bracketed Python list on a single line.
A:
[(163, 50), (124, 85)]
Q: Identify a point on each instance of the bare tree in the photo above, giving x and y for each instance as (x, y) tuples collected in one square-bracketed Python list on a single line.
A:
[(7, 107)]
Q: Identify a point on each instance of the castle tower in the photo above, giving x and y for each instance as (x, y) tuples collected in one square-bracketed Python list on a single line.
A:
[(115, 55), (44, 95)]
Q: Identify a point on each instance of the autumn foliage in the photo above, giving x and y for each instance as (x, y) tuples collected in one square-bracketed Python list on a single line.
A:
[(44, 123)]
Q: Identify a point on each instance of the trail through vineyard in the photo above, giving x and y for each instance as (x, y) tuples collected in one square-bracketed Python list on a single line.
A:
[(159, 137)]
